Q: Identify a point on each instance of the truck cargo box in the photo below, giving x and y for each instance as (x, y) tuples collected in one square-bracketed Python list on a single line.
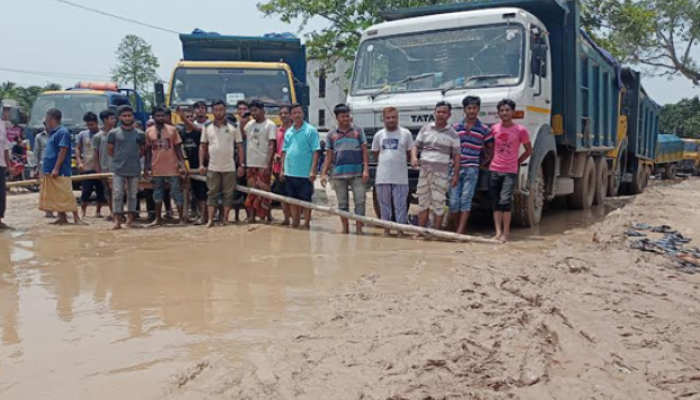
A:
[(204, 46), (642, 117), (669, 149)]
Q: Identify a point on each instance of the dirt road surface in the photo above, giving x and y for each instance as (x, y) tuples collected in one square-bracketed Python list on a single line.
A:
[(263, 312)]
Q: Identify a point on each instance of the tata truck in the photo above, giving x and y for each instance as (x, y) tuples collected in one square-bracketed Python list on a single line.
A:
[(81, 98), (691, 157), (572, 96), (232, 68), (669, 154)]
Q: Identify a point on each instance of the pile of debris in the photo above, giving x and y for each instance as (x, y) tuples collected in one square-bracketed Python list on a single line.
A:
[(671, 244)]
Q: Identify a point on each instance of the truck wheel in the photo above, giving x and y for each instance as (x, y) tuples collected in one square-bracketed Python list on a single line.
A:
[(601, 182), (647, 177), (615, 179), (584, 187), (527, 208), (637, 184), (670, 171)]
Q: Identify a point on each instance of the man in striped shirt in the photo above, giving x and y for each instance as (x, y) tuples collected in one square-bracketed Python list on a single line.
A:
[(438, 144), (476, 147), (348, 155)]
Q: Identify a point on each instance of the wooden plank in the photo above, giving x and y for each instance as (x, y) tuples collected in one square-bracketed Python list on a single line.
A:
[(369, 221)]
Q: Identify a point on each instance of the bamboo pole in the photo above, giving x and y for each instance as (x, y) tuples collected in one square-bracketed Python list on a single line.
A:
[(369, 221), (75, 178)]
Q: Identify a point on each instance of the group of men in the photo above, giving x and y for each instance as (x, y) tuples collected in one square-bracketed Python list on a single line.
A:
[(284, 159), (449, 159)]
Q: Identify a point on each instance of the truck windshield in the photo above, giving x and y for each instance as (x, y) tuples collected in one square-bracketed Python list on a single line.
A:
[(73, 107), (231, 85), (475, 57)]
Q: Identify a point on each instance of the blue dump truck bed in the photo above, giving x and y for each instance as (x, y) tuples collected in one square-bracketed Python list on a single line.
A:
[(586, 80), (669, 149), (642, 117), (204, 46)]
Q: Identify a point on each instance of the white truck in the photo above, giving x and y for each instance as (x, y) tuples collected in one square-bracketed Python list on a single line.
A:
[(571, 95)]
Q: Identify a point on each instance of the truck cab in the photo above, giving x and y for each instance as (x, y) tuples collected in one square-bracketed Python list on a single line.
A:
[(691, 157), (234, 68)]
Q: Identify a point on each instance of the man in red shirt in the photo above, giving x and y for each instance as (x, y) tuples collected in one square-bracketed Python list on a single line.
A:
[(509, 137), (278, 184), (164, 163)]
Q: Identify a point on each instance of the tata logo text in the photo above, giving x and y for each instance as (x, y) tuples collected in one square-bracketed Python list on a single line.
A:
[(423, 118)]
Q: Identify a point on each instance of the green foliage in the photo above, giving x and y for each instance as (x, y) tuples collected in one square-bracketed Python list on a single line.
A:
[(659, 34), (682, 118), (24, 95), (347, 18), (136, 63)]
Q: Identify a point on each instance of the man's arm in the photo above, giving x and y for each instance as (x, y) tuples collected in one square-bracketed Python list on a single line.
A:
[(526, 154), (79, 153), (61, 157), (456, 164), (365, 162), (284, 156), (191, 126), (241, 157), (488, 154), (327, 164), (7, 157), (203, 154), (271, 149), (414, 157), (314, 166), (147, 166)]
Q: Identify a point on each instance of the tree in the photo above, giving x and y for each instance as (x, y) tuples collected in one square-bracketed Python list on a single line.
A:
[(136, 63), (24, 95), (682, 118), (347, 21), (659, 34)]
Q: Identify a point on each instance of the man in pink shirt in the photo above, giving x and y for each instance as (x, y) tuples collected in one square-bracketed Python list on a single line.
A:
[(508, 136), (278, 185)]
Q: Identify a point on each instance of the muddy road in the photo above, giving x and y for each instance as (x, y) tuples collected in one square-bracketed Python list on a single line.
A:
[(566, 311)]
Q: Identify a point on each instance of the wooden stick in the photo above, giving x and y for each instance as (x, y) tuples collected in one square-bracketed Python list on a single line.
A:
[(449, 236), (75, 178)]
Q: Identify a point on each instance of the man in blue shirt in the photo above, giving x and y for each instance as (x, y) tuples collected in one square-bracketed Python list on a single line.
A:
[(56, 186), (300, 163)]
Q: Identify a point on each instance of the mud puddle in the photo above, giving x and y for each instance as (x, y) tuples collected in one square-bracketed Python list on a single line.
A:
[(87, 313)]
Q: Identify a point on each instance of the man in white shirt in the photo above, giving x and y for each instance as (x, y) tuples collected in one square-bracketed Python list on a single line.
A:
[(4, 166), (218, 141), (392, 148)]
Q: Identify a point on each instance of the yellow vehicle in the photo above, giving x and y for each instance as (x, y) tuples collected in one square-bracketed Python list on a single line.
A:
[(691, 157), (234, 68)]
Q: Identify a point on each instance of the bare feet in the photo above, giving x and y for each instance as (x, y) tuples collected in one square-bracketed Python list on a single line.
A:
[(497, 237), (210, 224), (4, 226), (80, 222), (504, 238), (155, 223), (387, 233), (182, 221), (306, 227), (117, 227), (286, 222), (401, 235), (60, 221)]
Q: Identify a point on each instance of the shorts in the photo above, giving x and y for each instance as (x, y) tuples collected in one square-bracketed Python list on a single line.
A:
[(299, 188), (278, 186), (501, 186), (159, 189), (432, 190), (461, 195), (343, 186), (199, 189), (90, 186), (221, 184)]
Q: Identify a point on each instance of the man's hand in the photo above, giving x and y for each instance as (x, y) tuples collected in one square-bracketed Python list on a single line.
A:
[(202, 170), (365, 176), (54, 173), (312, 177), (241, 171), (146, 174), (324, 180), (282, 176), (277, 158), (81, 167), (414, 163), (455, 180)]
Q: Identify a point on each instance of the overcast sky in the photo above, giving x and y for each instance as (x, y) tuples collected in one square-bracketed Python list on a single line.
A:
[(45, 35)]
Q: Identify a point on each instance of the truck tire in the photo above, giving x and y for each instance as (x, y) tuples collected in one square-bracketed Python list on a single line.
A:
[(601, 181), (647, 176), (584, 187), (527, 208), (637, 184), (670, 171)]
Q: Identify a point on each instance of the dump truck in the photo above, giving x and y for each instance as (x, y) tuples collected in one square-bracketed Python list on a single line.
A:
[(588, 118), (669, 154), (691, 157), (84, 96), (232, 68)]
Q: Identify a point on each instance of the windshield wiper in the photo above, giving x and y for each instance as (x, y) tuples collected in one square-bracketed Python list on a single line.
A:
[(408, 79), (485, 77)]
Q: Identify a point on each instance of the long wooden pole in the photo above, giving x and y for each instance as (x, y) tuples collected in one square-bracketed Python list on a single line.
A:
[(434, 233), (75, 178)]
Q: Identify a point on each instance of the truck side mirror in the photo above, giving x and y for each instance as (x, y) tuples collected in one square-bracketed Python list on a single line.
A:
[(160, 93), (304, 95)]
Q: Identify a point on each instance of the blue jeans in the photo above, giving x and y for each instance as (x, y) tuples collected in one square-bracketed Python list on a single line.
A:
[(128, 185), (461, 196), (159, 189)]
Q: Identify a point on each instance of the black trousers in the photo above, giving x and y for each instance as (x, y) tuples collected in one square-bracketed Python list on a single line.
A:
[(3, 192)]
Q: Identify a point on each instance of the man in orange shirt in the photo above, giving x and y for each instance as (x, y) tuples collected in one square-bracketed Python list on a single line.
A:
[(164, 163)]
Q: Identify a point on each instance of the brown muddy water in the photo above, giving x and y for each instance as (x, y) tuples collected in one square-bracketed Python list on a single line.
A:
[(86, 313)]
